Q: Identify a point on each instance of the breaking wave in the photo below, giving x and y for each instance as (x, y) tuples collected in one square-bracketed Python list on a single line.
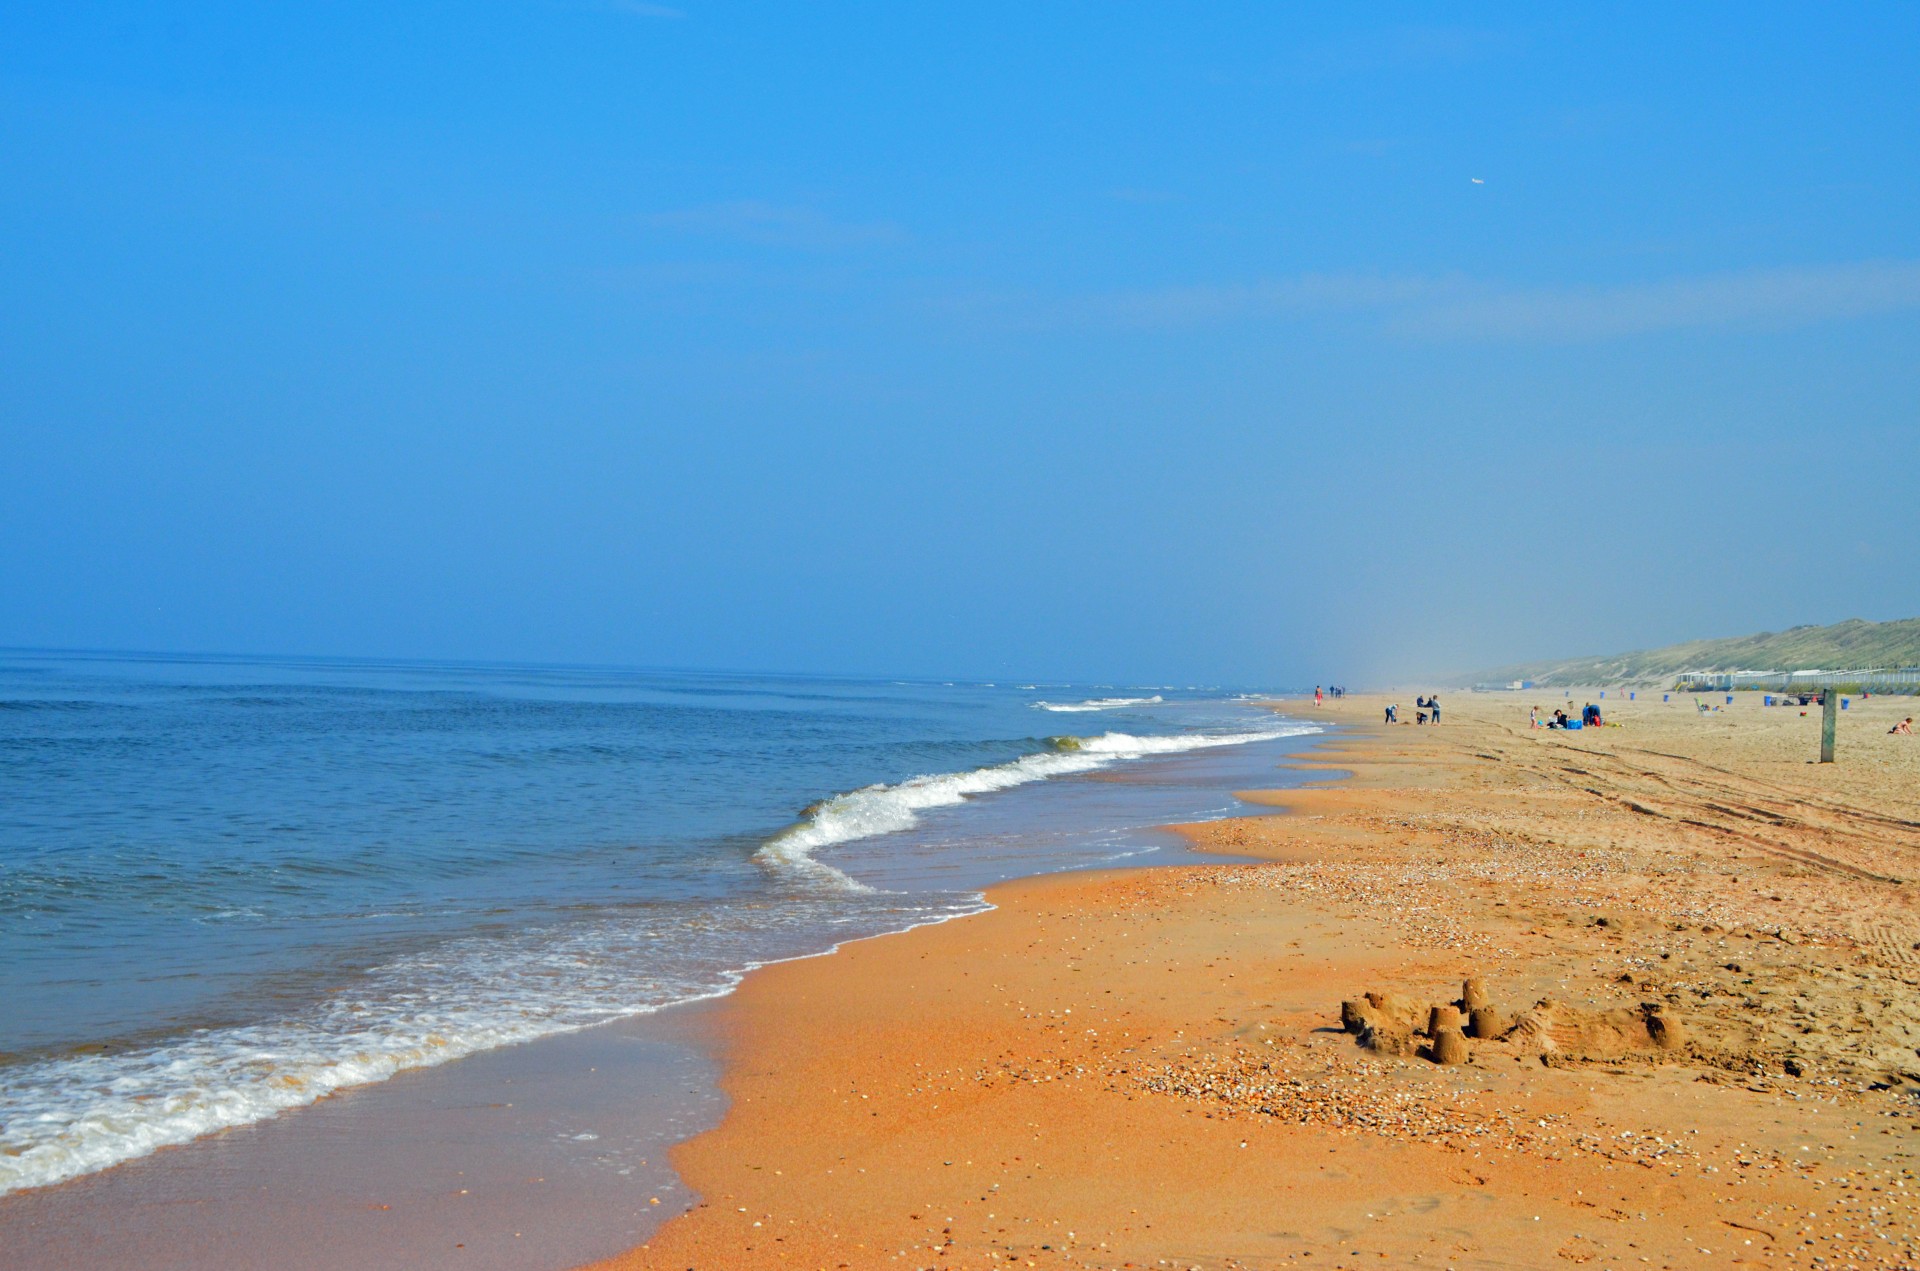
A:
[(1099, 704), (884, 809)]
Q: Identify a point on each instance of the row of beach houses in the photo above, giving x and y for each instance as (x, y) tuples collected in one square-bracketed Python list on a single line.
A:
[(1867, 680), (1859, 680)]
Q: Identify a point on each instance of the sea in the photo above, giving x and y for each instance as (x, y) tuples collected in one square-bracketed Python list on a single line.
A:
[(232, 887)]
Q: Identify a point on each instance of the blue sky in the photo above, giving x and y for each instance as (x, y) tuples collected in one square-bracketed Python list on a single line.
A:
[(1136, 342)]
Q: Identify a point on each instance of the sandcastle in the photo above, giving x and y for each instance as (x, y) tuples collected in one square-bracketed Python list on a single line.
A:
[(1486, 1023), (1448, 1047), (1389, 1024), (1384, 1022), (1392, 1025)]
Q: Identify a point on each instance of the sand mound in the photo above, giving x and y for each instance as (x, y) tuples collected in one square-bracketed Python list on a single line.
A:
[(1571, 1032)]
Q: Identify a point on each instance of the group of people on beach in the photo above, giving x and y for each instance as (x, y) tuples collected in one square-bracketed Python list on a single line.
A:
[(1426, 710), (1590, 717), (1335, 691)]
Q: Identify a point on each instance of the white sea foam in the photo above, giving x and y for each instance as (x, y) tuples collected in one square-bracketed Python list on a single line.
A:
[(1099, 704), (70, 1115), (884, 809)]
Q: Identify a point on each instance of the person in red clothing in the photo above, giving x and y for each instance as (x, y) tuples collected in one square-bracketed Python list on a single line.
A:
[(1316, 695)]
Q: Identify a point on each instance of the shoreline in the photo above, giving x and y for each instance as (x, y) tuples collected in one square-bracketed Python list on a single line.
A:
[(1147, 1067), (563, 1138), (377, 892)]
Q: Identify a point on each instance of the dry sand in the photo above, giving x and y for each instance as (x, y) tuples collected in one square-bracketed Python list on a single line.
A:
[(1149, 1068)]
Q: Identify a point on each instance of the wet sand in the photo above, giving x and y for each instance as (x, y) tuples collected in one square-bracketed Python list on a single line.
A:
[(1702, 948), (528, 1156)]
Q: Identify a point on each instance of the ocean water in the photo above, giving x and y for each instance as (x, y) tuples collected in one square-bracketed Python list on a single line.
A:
[(229, 888)]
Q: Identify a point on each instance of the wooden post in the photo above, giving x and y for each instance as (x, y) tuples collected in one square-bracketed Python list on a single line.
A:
[(1829, 711)]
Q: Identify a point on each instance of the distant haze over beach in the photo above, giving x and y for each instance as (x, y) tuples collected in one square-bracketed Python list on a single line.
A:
[(1188, 345), (1850, 645)]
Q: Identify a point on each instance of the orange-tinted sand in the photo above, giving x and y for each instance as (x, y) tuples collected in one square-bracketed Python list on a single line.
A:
[(1148, 1068)]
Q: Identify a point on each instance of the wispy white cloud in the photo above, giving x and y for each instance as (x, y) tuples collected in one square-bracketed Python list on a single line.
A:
[(1302, 295), (773, 225), (1401, 47), (1457, 307), (1755, 297)]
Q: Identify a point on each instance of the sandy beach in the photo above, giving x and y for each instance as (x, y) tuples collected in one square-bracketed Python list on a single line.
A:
[(1699, 953), (658, 636)]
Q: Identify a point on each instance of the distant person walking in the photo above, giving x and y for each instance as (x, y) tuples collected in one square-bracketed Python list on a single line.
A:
[(1316, 695)]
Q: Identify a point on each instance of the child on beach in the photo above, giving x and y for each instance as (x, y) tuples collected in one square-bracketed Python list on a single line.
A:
[(1903, 729)]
